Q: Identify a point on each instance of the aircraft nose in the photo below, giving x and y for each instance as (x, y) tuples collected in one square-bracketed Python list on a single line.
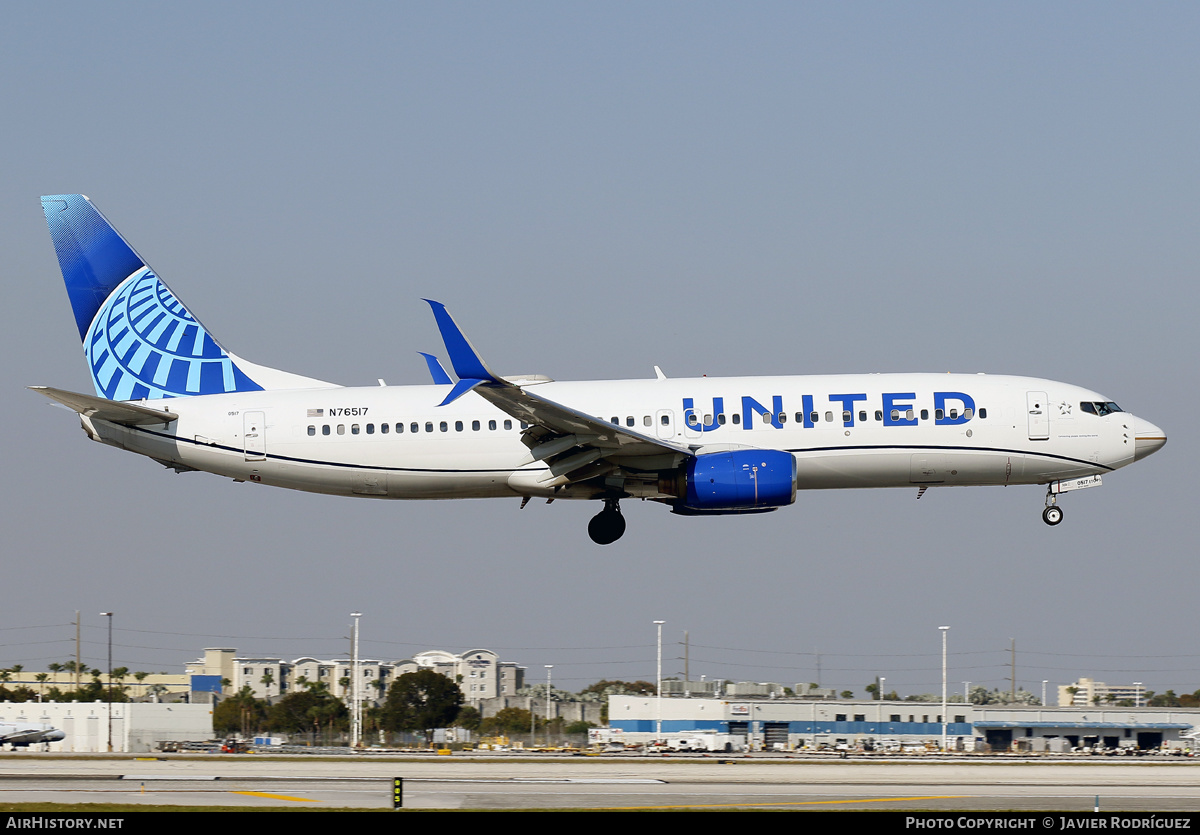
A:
[(1147, 438)]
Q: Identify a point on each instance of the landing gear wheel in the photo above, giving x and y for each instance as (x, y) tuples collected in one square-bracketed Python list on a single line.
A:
[(1052, 515), (608, 525)]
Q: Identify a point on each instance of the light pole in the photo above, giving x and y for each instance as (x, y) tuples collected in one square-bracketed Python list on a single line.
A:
[(549, 667), (944, 630), (1045, 681), (355, 683), (658, 684), (879, 709), (109, 615)]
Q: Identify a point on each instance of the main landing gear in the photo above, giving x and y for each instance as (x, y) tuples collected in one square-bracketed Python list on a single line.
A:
[(608, 525)]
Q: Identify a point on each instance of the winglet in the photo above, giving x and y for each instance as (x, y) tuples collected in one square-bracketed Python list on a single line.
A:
[(471, 370), (439, 375)]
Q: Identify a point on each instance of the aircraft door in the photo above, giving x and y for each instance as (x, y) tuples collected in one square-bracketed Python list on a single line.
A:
[(254, 435), (664, 419), (1039, 415)]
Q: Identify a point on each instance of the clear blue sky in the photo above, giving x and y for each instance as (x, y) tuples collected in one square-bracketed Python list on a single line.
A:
[(594, 189)]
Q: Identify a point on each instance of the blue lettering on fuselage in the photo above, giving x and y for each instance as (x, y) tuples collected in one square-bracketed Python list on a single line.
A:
[(939, 403), (692, 419), (751, 407), (896, 409), (896, 413)]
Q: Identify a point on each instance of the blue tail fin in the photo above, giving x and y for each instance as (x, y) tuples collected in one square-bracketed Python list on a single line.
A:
[(140, 341)]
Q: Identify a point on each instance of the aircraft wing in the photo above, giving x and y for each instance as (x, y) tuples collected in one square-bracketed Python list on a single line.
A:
[(113, 411), (573, 442)]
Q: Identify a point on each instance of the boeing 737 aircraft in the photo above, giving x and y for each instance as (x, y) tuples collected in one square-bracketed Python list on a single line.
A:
[(24, 734), (702, 446)]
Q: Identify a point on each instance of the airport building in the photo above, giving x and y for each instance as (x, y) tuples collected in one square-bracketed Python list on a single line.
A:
[(794, 724), (134, 727)]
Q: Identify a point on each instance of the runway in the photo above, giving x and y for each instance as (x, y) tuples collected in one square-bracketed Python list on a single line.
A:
[(592, 783)]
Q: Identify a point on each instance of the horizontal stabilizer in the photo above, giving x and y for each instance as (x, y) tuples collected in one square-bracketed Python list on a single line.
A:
[(439, 375), (113, 411)]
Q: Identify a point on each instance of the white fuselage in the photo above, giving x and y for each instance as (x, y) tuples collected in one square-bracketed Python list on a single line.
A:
[(877, 430)]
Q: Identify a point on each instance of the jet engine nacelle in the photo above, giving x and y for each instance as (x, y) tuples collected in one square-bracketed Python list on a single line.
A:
[(735, 480)]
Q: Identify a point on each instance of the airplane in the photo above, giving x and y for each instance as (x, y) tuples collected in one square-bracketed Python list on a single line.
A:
[(703, 446), (24, 734)]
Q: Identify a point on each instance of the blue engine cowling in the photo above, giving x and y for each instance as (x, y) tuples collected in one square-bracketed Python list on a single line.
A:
[(739, 480)]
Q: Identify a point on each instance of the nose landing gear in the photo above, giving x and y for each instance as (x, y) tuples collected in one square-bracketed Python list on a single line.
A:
[(1052, 515), (608, 525)]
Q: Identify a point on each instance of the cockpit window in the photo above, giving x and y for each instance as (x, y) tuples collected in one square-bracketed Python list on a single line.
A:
[(1099, 408)]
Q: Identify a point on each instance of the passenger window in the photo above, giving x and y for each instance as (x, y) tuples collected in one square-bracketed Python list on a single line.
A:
[(491, 424), (766, 419), (983, 414), (954, 414), (813, 417), (879, 414), (782, 418), (646, 421), (692, 420), (708, 420), (895, 415), (939, 414), (445, 427), (829, 417), (508, 424), (847, 416), (354, 429), (370, 429), (721, 419), (614, 420), (429, 426), (312, 430), (474, 426), (862, 416), (416, 427), (325, 429), (384, 428), (908, 415), (924, 414), (968, 413), (458, 426), (629, 421), (799, 417), (737, 419), (341, 429)]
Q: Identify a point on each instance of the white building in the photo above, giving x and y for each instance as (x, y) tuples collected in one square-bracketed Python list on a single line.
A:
[(480, 673), (1087, 692), (136, 727)]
